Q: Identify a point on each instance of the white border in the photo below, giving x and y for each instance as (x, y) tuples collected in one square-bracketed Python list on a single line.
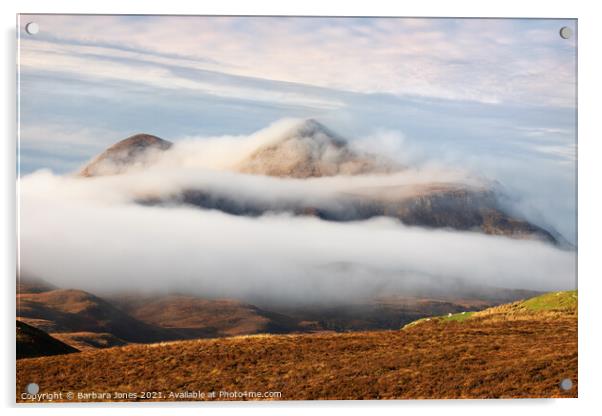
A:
[(590, 209)]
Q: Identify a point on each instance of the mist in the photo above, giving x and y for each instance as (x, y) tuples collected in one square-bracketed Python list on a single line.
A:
[(91, 234)]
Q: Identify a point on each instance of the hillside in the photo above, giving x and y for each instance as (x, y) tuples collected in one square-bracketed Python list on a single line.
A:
[(195, 317), (86, 341), (76, 311), (453, 206), (32, 342), (546, 307), (476, 358), (30, 284), (86, 321)]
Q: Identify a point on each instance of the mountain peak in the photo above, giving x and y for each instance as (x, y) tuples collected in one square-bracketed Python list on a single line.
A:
[(309, 149), (134, 150), (312, 130), (140, 140)]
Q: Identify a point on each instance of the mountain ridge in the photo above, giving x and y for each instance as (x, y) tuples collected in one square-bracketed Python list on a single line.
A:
[(308, 150), (86, 321)]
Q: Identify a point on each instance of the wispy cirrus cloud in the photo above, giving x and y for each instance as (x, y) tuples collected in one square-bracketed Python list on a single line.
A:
[(102, 64), (487, 60)]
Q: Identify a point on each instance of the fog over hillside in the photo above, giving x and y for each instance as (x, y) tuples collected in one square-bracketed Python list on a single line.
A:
[(94, 234)]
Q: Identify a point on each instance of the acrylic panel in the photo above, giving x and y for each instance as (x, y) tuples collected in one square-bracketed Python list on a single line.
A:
[(295, 208)]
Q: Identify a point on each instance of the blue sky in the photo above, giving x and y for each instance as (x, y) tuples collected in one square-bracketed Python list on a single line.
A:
[(494, 96)]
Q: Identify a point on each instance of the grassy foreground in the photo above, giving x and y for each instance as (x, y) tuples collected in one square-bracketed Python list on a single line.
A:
[(546, 307), (518, 350)]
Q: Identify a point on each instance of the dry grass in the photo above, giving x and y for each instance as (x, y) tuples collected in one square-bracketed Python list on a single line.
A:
[(475, 358), (191, 317), (85, 341), (70, 311)]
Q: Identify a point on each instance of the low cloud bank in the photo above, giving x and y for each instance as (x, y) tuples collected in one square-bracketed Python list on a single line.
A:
[(88, 234)]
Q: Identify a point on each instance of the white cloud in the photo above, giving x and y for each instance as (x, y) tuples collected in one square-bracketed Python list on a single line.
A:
[(89, 234), (110, 246), (72, 61), (483, 60), (566, 153)]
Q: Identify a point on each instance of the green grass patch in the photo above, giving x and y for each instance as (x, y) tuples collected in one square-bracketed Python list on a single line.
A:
[(564, 302), (554, 301), (458, 317)]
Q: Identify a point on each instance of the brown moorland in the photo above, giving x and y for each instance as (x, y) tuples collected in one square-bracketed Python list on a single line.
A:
[(86, 321), (31, 342), (64, 311), (483, 355), (193, 317)]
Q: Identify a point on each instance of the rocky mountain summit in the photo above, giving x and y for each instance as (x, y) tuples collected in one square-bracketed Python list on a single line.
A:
[(307, 151), (310, 149), (135, 151)]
